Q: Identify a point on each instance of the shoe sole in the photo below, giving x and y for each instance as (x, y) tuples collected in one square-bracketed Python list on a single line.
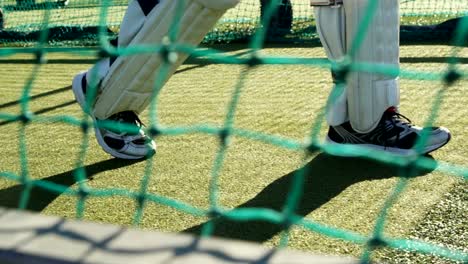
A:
[(81, 99), (397, 151)]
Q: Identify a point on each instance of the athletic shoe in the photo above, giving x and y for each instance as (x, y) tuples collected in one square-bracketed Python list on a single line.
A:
[(394, 134), (120, 143)]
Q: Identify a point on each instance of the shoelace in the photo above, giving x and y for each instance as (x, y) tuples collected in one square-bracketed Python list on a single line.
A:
[(395, 117), (128, 118)]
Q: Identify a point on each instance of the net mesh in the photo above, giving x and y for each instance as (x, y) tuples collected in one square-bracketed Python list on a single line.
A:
[(28, 16)]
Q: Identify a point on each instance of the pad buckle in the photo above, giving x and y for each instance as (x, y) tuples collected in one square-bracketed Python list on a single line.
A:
[(331, 3)]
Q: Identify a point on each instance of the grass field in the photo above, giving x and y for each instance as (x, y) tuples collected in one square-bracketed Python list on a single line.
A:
[(278, 100)]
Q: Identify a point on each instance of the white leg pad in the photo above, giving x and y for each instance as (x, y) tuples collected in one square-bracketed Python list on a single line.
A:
[(331, 24), (130, 80), (98, 72), (132, 22), (370, 94), (367, 95)]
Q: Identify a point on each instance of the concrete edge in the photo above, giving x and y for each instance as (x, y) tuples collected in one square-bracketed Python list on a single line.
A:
[(27, 237)]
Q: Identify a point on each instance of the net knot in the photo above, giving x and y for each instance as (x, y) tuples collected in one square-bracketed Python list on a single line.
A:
[(223, 136), (104, 53), (25, 118), (167, 52), (339, 74), (154, 132), (140, 199), (254, 61), (311, 148), (287, 223), (376, 242), (451, 77), (40, 57), (84, 126), (83, 193), (214, 213)]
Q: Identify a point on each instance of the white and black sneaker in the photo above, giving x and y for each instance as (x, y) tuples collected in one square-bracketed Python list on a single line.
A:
[(123, 136), (394, 134)]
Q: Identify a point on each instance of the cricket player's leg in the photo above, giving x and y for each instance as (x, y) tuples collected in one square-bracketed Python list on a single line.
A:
[(366, 112), (125, 84)]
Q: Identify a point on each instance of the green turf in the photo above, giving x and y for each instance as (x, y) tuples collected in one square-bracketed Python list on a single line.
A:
[(436, 227), (278, 100), (239, 23), (86, 13)]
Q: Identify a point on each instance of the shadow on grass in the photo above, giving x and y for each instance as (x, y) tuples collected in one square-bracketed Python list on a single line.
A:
[(40, 198), (325, 177), (37, 96), (203, 62), (41, 111), (49, 61), (445, 60)]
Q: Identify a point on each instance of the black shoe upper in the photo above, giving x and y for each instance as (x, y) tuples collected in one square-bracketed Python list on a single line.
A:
[(392, 131), (125, 123)]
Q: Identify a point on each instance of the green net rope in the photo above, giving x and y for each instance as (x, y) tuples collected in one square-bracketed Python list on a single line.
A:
[(286, 218)]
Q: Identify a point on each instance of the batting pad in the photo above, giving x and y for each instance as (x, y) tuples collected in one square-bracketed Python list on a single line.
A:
[(368, 94), (331, 29), (130, 80)]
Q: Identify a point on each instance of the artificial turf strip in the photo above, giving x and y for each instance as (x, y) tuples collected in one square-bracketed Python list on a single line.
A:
[(278, 100)]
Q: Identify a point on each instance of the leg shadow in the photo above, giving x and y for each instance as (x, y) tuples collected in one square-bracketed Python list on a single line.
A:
[(325, 177), (37, 96), (40, 198), (41, 111), (203, 62)]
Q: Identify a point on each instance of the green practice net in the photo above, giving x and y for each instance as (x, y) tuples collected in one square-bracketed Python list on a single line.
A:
[(27, 16), (293, 21)]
